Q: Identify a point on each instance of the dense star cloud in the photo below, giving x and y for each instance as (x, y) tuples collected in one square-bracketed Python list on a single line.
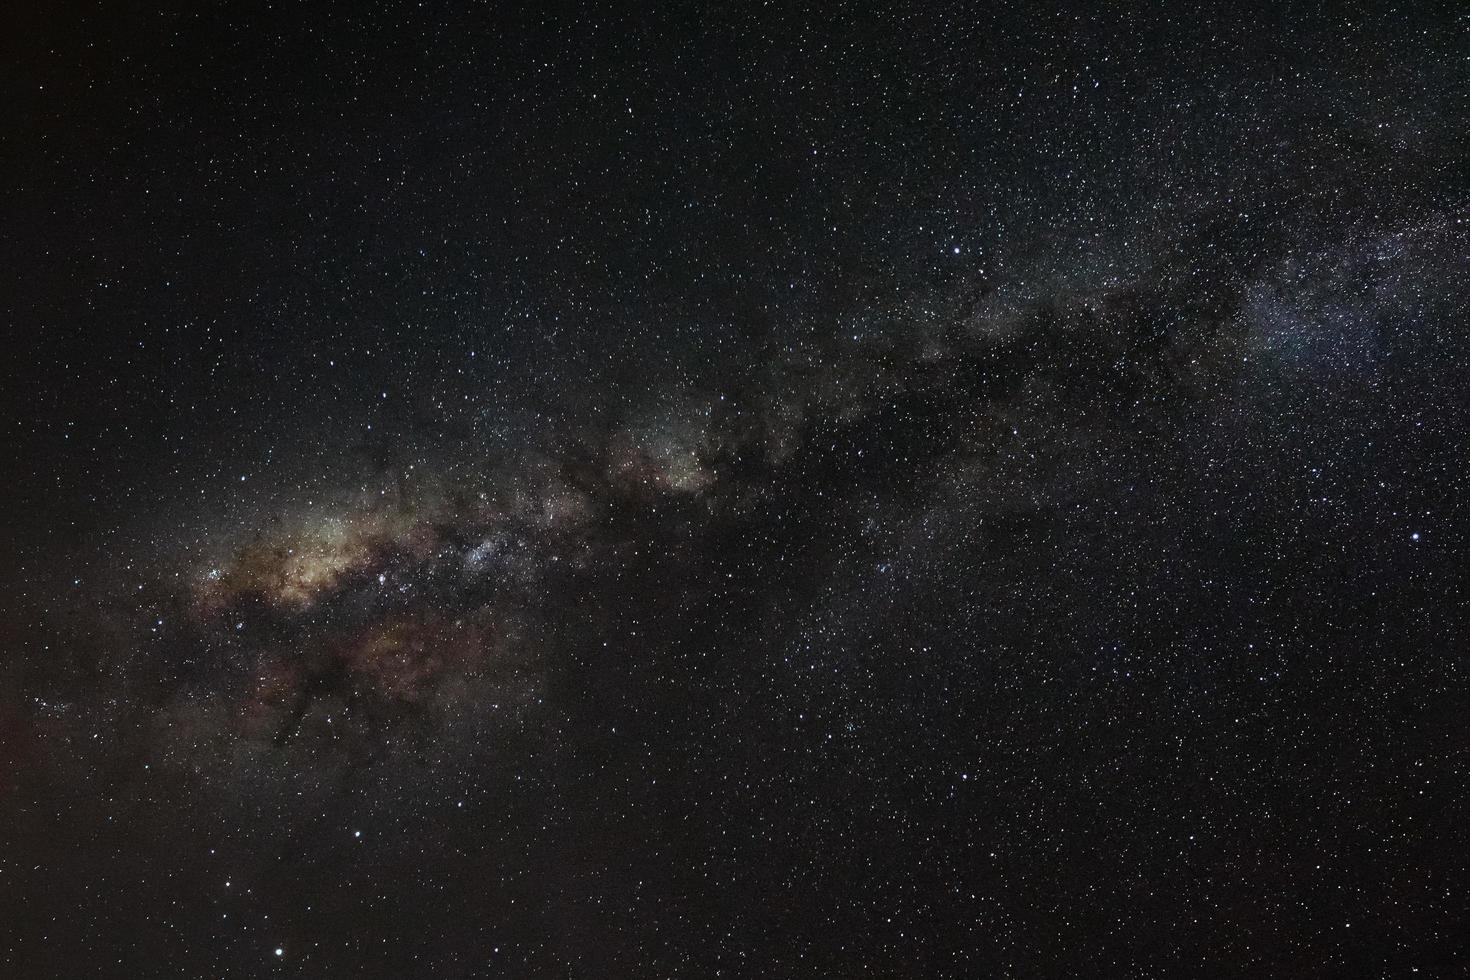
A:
[(933, 493)]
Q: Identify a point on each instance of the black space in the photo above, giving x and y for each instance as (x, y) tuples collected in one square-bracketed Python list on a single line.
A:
[(739, 490)]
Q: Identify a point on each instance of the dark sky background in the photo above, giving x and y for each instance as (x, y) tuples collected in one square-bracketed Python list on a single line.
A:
[(735, 491)]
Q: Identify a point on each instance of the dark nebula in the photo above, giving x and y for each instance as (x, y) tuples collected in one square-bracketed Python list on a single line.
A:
[(735, 491)]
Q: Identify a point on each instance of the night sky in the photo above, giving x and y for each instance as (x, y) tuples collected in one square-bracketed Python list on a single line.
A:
[(734, 490)]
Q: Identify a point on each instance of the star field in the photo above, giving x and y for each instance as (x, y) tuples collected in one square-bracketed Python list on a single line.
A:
[(738, 492)]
